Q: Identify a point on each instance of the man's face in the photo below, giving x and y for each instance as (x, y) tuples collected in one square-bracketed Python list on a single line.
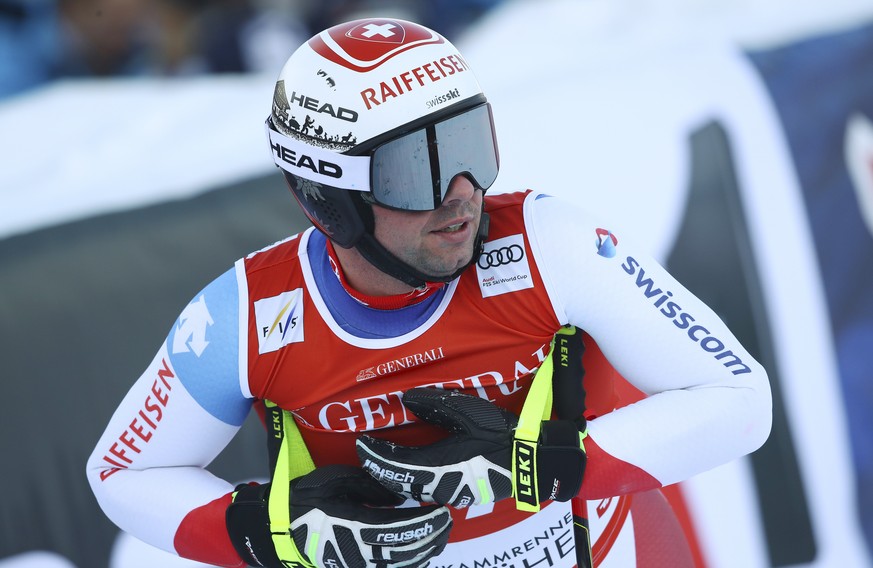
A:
[(437, 242)]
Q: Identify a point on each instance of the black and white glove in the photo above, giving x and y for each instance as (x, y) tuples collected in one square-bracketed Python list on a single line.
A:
[(340, 517), (474, 464)]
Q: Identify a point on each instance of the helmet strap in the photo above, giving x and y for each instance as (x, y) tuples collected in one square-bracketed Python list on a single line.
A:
[(378, 256)]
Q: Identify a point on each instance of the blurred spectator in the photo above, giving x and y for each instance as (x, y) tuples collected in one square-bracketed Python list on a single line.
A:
[(251, 36), (42, 40), (225, 36), (28, 43), (175, 38), (102, 38), (448, 17), (45, 40)]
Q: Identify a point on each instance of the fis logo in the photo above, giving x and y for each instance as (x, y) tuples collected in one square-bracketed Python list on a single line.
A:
[(279, 320)]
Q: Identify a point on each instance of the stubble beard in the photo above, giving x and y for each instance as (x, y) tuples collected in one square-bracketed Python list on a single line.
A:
[(442, 264)]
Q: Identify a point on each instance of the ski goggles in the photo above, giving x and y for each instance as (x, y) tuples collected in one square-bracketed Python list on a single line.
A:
[(410, 172)]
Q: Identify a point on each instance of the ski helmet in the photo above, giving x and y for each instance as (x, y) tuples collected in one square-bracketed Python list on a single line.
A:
[(379, 111)]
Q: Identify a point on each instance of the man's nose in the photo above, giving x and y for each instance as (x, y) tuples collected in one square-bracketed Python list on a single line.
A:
[(460, 189)]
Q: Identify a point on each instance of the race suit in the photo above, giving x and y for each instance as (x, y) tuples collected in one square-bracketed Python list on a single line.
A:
[(280, 326)]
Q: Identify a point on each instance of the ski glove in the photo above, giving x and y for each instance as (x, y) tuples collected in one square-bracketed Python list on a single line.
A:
[(340, 517), (474, 464)]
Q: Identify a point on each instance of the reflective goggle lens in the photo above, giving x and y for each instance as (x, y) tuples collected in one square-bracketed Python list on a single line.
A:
[(413, 172)]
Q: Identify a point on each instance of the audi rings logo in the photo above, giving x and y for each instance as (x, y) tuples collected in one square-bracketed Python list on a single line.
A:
[(503, 267), (500, 256)]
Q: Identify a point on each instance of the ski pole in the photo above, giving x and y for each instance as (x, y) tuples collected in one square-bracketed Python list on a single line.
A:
[(568, 394)]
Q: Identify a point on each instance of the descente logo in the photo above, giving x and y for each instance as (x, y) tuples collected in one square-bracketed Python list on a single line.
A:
[(682, 319)]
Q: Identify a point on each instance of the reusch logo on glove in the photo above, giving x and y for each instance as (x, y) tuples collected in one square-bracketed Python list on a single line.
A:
[(405, 536), (382, 473)]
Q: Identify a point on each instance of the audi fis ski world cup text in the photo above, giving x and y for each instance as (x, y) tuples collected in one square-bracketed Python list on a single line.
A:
[(502, 256), (503, 268)]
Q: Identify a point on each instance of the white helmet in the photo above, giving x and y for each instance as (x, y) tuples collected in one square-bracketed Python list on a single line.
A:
[(379, 111)]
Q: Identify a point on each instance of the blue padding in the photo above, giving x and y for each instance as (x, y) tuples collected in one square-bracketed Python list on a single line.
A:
[(351, 315), (204, 350)]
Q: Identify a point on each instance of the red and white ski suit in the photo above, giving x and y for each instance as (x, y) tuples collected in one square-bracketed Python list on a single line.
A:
[(280, 326)]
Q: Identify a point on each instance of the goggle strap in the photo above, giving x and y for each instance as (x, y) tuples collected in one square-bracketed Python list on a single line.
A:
[(378, 256), (322, 166)]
